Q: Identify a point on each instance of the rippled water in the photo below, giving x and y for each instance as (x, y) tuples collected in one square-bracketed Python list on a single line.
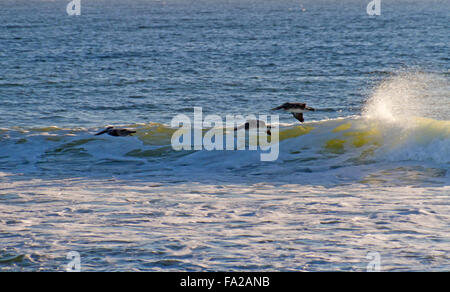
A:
[(129, 225), (367, 172)]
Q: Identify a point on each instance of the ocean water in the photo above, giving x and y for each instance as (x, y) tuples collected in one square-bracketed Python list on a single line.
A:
[(367, 172)]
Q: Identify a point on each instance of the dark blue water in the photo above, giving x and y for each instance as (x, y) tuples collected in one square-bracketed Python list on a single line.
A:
[(140, 61)]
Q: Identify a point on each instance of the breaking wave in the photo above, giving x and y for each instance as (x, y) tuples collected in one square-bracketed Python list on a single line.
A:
[(399, 129)]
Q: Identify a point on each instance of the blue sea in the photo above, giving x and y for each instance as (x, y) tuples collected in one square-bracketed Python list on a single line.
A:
[(365, 177)]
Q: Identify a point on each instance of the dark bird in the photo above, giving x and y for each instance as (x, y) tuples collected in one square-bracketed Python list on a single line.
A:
[(255, 124), (296, 108), (116, 132)]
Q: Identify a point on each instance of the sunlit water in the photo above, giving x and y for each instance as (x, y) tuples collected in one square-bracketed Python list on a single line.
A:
[(367, 172)]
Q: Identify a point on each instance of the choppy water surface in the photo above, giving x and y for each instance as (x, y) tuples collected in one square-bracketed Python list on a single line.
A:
[(368, 171)]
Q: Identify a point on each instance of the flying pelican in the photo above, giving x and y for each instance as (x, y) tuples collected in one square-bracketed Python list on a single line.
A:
[(296, 108), (116, 132), (255, 124)]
